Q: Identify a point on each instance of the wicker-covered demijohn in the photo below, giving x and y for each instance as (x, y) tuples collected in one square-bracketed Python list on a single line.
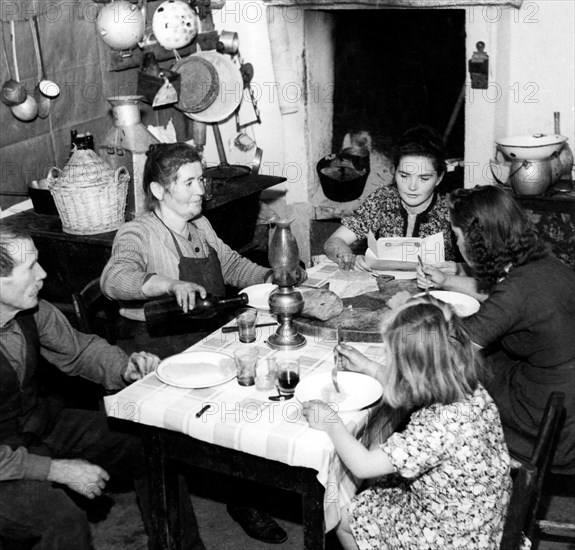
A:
[(89, 195)]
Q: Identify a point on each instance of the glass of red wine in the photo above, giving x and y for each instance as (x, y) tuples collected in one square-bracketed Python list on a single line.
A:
[(287, 377)]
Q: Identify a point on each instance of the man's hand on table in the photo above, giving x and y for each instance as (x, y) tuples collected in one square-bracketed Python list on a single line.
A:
[(355, 361), (79, 475), (139, 365)]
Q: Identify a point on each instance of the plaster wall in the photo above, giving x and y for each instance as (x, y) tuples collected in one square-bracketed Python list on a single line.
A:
[(532, 74), (284, 103)]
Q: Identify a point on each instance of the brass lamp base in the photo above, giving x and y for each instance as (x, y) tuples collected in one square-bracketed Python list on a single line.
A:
[(286, 303), (286, 338)]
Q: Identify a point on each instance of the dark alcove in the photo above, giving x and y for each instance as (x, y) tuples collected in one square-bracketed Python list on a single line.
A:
[(398, 68)]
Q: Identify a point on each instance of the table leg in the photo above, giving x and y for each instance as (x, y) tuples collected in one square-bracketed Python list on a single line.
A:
[(164, 492), (313, 514)]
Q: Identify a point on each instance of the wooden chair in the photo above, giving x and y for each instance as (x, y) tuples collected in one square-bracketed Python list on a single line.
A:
[(560, 485), (95, 314), (529, 478)]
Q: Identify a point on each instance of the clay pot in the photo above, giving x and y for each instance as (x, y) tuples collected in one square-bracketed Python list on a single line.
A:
[(530, 177)]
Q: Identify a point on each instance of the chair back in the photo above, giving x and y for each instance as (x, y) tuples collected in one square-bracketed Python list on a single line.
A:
[(528, 481), (95, 314)]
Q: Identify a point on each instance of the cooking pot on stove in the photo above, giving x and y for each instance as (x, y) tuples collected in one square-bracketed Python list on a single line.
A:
[(343, 177)]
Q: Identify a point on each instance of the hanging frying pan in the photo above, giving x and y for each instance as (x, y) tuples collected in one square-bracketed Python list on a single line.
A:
[(230, 86), (224, 171)]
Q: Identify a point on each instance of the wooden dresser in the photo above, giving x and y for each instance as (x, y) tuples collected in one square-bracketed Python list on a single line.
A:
[(554, 219)]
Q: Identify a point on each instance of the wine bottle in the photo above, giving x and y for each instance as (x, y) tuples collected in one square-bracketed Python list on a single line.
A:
[(160, 310)]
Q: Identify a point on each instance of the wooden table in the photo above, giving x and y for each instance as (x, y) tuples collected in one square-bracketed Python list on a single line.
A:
[(166, 449), (72, 261), (244, 435)]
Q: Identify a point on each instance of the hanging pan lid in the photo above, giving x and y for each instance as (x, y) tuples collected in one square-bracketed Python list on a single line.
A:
[(199, 84), (229, 89)]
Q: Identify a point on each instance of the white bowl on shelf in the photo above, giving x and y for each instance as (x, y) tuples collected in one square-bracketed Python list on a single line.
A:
[(534, 147)]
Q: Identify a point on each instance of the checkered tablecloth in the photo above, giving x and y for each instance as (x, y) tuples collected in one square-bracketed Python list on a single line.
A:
[(244, 419)]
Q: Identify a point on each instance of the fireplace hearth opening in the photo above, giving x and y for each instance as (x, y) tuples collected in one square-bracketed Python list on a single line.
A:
[(388, 70), (394, 69)]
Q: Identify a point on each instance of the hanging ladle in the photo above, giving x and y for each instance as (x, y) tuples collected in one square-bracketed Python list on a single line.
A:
[(13, 92), (28, 109), (45, 89), (41, 99)]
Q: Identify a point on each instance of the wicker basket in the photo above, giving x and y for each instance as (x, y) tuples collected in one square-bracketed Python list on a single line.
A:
[(89, 195)]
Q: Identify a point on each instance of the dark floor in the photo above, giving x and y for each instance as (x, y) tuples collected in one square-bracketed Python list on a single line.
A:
[(122, 528)]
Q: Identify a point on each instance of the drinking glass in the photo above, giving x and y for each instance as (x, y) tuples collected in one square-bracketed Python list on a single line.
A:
[(287, 376), (246, 319), (246, 361)]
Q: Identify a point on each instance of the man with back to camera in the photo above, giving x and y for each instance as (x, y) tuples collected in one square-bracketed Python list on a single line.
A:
[(49, 455)]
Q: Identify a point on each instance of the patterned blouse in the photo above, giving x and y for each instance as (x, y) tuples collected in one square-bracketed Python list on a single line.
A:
[(383, 213), (452, 483)]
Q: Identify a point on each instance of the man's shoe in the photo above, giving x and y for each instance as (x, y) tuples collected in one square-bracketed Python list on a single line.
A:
[(257, 524)]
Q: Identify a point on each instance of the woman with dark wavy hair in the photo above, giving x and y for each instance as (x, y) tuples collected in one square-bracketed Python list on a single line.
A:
[(410, 207), (526, 322)]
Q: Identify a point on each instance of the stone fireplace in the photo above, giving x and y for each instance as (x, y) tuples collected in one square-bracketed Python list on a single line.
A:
[(293, 45), (392, 69), (377, 70)]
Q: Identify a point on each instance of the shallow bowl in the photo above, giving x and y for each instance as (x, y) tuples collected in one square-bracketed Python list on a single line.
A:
[(534, 147)]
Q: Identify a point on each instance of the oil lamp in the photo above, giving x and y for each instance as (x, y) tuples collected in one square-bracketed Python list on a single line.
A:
[(286, 302)]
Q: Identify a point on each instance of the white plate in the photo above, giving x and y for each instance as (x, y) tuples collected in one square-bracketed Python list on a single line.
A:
[(197, 369), (463, 304), (357, 390), (258, 295)]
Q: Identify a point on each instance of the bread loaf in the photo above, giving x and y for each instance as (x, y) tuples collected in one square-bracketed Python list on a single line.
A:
[(321, 304)]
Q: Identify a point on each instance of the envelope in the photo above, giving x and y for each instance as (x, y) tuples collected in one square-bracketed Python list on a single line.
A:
[(401, 253)]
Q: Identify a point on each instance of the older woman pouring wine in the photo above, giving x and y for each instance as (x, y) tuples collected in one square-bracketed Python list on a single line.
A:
[(526, 320), (173, 250)]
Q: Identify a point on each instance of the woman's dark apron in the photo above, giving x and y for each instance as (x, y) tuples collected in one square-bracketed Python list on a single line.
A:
[(182, 333)]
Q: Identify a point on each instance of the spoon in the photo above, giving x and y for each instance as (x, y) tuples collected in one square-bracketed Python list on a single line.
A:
[(424, 274)]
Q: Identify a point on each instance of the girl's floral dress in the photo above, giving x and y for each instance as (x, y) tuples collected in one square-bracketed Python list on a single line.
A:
[(452, 484)]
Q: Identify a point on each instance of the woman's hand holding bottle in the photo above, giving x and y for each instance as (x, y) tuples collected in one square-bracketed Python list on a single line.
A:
[(185, 294)]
